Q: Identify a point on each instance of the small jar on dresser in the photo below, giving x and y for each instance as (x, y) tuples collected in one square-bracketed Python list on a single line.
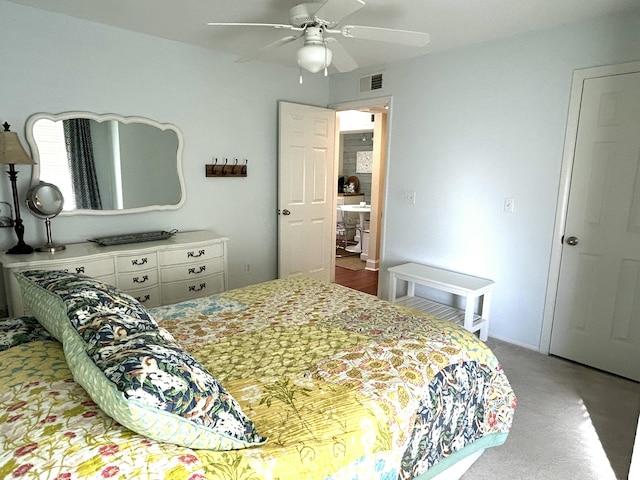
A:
[(185, 266)]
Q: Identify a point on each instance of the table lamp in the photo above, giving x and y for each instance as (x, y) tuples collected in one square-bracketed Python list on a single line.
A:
[(13, 153)]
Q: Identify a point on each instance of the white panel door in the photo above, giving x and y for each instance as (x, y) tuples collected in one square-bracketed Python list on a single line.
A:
[(306, 195), (597, 317), (634, 469)]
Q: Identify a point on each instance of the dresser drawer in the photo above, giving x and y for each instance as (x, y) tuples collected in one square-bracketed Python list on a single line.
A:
[(186, 266), (198, 287), (135, 263), (135, 280), (148, 297), (194, 271), (193, 254), (108, 279), (95, 268)]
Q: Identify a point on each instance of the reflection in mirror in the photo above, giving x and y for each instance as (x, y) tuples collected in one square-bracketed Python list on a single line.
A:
[(105, 164)]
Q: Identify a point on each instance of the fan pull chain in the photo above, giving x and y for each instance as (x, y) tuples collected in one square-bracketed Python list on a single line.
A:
[(300, 75)]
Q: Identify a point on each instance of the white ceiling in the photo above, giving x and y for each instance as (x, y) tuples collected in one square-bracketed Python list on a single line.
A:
[(451, 23)]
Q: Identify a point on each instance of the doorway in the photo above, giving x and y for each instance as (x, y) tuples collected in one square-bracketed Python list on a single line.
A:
[(361, 146), (355, 172)]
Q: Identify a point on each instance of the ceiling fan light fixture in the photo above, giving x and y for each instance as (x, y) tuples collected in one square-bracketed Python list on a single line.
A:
[(314, 57), (318, 22)]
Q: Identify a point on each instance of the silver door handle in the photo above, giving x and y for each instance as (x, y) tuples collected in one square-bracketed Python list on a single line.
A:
[(286, 212), (571, 241)]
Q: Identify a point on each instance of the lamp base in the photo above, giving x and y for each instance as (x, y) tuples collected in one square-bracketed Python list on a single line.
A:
[(21, 249), (50, 248)]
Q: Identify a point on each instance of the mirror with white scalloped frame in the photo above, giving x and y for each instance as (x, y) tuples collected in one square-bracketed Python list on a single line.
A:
[(137, 162)]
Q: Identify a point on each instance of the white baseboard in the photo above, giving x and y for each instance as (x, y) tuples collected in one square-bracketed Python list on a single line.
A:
[(515, 342)]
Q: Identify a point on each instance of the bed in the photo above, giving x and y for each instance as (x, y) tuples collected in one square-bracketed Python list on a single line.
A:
[(333, 384)]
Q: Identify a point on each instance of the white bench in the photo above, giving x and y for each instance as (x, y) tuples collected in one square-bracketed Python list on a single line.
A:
[(467, 286)]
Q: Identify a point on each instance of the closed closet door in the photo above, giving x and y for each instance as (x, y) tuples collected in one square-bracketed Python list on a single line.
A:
[(597, 316)]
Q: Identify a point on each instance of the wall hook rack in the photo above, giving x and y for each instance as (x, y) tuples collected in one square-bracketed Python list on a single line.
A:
[(226, 169)]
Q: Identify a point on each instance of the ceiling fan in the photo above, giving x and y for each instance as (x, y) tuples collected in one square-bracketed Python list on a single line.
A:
[(316, 22)]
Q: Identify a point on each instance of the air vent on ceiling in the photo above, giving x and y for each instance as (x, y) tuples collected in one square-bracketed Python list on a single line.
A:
[(370, 83)]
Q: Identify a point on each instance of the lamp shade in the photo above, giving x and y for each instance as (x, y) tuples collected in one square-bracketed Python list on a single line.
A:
[(11, 150), (314, 57)]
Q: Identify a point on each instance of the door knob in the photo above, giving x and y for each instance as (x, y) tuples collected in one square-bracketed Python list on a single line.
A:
[(286, 212), (571, 241)]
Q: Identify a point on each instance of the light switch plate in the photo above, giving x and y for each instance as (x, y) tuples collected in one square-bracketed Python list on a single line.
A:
[(509, 204), (409, 197)]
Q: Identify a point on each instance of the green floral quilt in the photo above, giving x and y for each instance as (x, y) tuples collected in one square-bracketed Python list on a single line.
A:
[(345, 386)]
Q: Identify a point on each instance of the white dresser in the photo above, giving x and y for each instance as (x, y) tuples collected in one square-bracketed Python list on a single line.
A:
[(185, 266)]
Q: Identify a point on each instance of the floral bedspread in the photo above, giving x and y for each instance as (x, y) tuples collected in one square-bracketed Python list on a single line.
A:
[(344, 385)]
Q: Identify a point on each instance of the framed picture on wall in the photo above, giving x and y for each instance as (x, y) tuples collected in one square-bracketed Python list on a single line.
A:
[(364, 162)]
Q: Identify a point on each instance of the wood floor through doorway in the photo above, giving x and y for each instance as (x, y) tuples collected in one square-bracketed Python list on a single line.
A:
[(362, 280)]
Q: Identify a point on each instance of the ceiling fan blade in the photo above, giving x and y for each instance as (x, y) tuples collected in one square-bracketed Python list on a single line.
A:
[(332, 11), (390, 35), (272, 25), (270, 46), (342, 61)]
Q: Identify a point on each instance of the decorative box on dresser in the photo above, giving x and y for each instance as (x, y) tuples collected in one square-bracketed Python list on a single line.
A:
[(187, 265)]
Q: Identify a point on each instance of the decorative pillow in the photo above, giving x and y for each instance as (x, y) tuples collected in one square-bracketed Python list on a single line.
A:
[(134, 370), (55, 297), (109, 327), (16, 331)]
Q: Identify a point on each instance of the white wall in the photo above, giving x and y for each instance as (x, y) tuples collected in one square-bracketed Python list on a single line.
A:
[(52, 63), (472, 126)]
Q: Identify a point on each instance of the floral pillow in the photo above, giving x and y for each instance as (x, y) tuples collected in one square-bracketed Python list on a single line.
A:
[(16, 331), (106, 328), (134, 370), (151, 369), (57, 297)]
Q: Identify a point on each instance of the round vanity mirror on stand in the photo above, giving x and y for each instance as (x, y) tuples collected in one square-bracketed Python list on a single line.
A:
[(45, 200)]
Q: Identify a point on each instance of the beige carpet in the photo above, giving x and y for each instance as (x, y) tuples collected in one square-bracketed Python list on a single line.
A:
[(571, 422), (352, 263)]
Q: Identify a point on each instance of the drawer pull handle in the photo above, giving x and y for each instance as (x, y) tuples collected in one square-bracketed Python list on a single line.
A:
[(194, 255), (200, 270), (144, 298), (141, 280), (79, 269), (142, 261), (194, 288)]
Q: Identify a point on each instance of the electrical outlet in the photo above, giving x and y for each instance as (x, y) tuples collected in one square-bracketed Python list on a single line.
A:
[(509, 205), (409, 197)]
